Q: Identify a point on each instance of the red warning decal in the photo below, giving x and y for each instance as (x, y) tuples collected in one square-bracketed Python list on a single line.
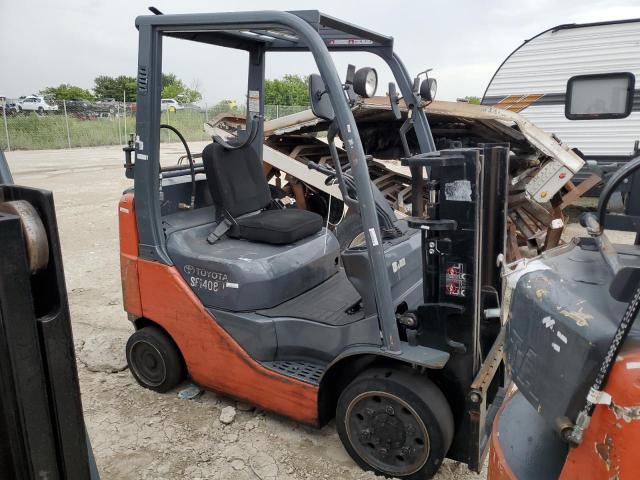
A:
[(456, 280)]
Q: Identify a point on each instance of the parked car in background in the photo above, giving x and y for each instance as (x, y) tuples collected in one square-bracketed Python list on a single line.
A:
[(170, 104), (105, 107), (36, 103), (78, 105), (109, 103), (191, 106), (8, 105)]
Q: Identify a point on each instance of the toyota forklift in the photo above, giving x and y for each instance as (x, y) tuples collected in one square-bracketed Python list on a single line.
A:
[(399, 339), (573, 350)]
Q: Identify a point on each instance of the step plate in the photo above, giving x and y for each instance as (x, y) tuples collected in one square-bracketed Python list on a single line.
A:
[(307, 372)]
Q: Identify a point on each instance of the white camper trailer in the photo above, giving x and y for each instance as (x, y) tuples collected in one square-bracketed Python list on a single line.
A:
[(580, 82)]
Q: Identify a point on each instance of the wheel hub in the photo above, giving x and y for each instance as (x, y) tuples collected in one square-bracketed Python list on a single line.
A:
[(388, 433), (388, 429), (147, 362)]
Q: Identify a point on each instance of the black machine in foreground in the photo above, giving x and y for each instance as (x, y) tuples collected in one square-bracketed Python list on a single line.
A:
[(42, 430)]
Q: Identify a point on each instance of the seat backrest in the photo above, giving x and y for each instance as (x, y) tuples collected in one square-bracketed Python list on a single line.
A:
[(236, 179)]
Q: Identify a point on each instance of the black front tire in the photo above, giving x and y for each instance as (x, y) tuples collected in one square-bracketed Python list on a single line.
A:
[(154, 359), (395, 422)]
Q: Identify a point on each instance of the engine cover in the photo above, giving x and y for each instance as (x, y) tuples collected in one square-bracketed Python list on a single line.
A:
[(561, 320)]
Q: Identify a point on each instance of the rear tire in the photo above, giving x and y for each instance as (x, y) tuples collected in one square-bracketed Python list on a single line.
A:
[(395, 423), (155, 360)]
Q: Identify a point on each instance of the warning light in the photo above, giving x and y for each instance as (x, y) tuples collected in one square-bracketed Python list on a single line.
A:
[(562, 175), (543, 194)]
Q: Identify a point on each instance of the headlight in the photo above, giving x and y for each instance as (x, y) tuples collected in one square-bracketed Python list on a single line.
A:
[(365, 82), (428, 89)]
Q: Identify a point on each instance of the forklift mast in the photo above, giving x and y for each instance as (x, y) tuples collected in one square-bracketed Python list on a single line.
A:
[(42, 430), (463, 236)]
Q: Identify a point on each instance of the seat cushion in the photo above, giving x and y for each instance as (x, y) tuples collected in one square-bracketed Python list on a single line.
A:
[(236, 179), (277, 227)]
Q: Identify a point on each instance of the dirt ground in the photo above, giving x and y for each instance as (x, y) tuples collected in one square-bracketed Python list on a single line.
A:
[(136, 433)]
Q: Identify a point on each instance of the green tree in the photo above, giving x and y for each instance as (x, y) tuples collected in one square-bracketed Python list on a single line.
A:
[(288, 90), (115, 87), (66, 91), (169, 78), (173, 87), (474, 100)]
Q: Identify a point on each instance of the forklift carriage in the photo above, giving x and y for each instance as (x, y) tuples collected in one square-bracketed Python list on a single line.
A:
[(42, 430), (400, 339)]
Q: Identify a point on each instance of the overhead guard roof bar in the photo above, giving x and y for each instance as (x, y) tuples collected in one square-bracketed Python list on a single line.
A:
[(278, 35), (336, 34)]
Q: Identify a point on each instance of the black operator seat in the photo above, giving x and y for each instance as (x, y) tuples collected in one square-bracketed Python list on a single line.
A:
[(238, 185)]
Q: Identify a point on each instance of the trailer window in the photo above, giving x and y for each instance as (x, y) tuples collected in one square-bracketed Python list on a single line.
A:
[(601, 96)]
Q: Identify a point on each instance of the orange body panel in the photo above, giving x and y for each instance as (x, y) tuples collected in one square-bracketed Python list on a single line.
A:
[(609, 449), (213, 358), (129, 256), (610, 446)]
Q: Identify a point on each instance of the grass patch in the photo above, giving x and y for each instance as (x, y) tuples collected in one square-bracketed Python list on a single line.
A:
[(35, 132)]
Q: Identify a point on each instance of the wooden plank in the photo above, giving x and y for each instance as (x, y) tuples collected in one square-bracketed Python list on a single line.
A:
[(517, 199), (588, 183), (530, 224), (538, 212), (513, 249), (554, 233)]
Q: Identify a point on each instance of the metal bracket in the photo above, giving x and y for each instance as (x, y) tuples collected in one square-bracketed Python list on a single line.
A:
[(434, 317)]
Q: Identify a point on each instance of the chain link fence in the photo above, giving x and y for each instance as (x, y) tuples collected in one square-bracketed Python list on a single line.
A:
[(36, 123)]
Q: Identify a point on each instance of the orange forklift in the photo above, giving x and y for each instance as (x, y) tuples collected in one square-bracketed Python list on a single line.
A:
[(573, 351), (398, 338)]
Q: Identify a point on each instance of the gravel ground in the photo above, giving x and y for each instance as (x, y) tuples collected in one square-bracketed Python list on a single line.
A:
[(136, 433)]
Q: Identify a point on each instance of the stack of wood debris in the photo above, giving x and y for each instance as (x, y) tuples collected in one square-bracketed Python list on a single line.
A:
[(533, 226)]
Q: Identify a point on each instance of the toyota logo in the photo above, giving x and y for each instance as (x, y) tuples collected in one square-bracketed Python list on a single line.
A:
[(189, 269)]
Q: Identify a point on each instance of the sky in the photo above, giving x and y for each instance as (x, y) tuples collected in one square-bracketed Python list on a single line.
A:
[(48, 42)]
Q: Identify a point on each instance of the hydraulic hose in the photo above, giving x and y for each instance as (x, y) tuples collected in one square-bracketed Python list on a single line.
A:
[(192, 167)]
